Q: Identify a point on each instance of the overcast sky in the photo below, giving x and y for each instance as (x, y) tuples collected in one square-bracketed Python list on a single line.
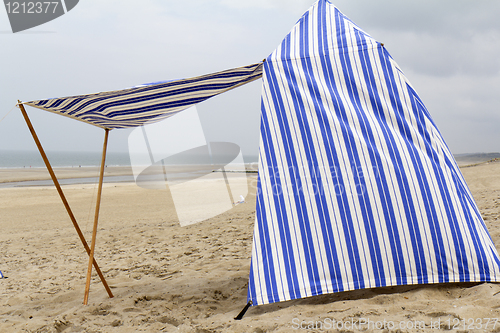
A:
[(448, 49)]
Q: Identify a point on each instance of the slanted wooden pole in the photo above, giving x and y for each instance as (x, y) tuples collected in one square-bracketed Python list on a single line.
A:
[(96, 218), (63, 197)]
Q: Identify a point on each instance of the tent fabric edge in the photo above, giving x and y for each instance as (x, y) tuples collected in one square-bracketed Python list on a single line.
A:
[(136, 106), (481, 278)]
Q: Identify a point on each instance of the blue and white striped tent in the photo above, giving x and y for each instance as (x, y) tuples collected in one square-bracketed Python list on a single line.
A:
[(357, 188)]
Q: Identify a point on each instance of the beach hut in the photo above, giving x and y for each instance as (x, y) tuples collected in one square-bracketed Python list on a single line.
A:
[(357, 187)]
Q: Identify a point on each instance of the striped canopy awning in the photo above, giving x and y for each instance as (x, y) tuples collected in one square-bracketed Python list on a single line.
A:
[(357, 188), (147, 103)]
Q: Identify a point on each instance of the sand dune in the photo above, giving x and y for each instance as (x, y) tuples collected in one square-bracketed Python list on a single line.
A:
[(168, 278)]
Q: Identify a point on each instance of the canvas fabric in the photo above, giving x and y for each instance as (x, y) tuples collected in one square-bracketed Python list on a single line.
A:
[(357, 187)]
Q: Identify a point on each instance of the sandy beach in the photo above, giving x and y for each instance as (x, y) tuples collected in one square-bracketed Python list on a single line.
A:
[(168, 278)]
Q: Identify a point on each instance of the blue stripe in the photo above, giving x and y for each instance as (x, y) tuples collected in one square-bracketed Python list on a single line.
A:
[(292, 161), (289, 262), (265, 249), (387, 209), (368, 136), (452, 217), (323, 117), (374, 154), (404, 180)]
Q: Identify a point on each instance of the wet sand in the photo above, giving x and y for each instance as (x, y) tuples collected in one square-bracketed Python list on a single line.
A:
[(27, 174)]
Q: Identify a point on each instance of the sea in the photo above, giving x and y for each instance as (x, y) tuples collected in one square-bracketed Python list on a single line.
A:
[(13, 159), (60, 159), (10, 159)]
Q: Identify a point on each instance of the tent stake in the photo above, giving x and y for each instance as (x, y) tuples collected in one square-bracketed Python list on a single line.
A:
[(63, 197), (242, 313), (96, 218)]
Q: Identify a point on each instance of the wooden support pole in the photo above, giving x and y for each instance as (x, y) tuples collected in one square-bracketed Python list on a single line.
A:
[(96, 218), (63, 197)]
